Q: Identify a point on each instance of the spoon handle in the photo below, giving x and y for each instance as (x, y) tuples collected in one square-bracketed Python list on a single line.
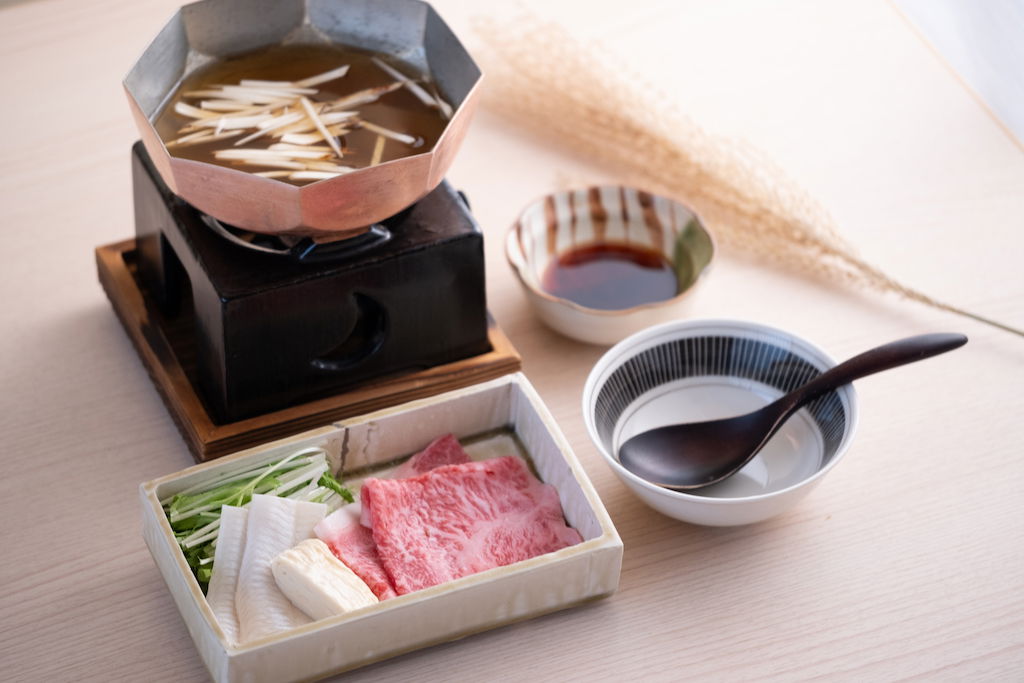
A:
[(881, 358)]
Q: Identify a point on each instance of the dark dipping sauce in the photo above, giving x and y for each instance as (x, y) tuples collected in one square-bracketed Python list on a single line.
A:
[(611, 277)]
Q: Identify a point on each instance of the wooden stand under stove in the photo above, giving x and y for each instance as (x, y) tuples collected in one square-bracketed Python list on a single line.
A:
[(163, 348)]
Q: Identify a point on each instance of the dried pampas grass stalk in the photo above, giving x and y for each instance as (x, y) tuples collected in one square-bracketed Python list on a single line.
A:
[(539, 76)]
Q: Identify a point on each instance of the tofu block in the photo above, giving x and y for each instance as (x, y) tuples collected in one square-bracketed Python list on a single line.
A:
[(317, 582)]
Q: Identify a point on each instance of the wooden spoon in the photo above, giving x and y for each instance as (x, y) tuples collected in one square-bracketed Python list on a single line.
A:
[(698, 454)]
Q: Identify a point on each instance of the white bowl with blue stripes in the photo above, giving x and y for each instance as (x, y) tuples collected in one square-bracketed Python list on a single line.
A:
[(688, 371)]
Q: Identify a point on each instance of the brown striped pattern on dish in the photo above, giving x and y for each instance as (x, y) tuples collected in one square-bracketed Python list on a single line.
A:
[(577, 218)]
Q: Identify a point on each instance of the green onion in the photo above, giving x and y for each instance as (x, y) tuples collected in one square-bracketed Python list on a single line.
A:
[(194, 514), (327, 480)]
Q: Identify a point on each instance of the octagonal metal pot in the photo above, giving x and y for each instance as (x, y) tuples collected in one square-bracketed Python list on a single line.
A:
[(409, 31)]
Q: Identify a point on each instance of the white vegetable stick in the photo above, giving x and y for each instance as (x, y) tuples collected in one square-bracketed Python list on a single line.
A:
[(327, 166), (364, 96), (224, 105), (208, 536), (289, 482), (251, 95), (301, 493), (308, 106), (280, 122), (270, 125), (324, 77), (234, 122), (329, 115), (260, 109), (388, 133), (256, 83), (446, 109), (323, 495), (268, 92), (329, 119), (269, 154), (378, 150), (201, 137), (215, 94), (288, 117), (192, 112), (273, 174), (227, 560), (284, 87), (248, 154), (312, 138), (302, 138), (305, 125), (274, 525), (410, 85), (285, 147), (273, 163), (192, 138)]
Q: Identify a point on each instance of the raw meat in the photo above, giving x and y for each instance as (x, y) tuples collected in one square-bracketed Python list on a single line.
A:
[(461, 519), (352, 542), (444, 450)]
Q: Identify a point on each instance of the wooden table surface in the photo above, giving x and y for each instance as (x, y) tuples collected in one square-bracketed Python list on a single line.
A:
[(907, 562)]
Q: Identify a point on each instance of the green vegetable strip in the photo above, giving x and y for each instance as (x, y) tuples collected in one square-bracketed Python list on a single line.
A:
[(327, 480), (303, 476), (226, 477), (194, 513), (239, 493)]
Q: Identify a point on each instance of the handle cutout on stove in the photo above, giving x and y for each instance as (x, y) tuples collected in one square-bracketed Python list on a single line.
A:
[(365, 339)]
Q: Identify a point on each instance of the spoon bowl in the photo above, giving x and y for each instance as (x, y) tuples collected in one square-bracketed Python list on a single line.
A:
[(697, 454)]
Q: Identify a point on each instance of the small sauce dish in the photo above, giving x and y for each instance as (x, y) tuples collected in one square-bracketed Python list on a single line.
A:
[(601, 263)]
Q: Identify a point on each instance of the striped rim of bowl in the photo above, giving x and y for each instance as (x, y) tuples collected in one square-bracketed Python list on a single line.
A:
[(701, 348)]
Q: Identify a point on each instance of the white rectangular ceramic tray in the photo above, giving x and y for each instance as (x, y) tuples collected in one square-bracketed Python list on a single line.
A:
[(441, 613)]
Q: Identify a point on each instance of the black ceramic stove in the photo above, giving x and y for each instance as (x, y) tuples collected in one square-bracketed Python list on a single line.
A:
[(280, 321)]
